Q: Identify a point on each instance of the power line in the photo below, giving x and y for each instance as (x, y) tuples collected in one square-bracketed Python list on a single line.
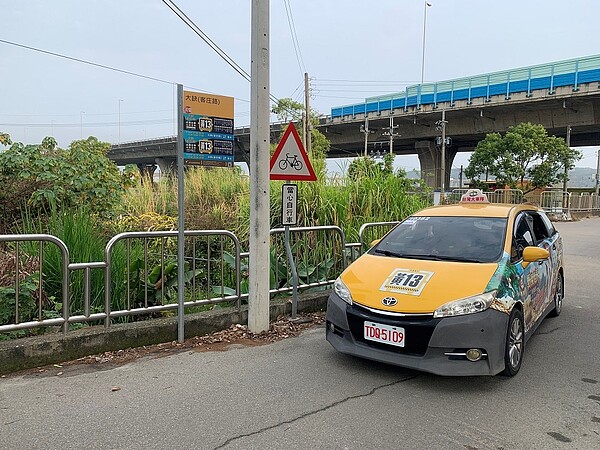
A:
[(103, 66), (196, 29), (87, 114), (366, 81), (88, 124), (288, 12), (59, 55)]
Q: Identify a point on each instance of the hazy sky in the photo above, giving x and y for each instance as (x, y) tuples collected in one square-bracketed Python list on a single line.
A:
[(351, 49)]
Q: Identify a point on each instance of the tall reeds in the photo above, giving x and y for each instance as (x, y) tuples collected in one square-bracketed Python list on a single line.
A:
[(220, 199)]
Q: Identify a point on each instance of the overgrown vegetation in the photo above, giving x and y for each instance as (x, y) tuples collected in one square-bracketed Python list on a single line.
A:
[(79, 196)]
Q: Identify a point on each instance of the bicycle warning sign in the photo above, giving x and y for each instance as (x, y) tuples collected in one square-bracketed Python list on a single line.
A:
[(290, 161)]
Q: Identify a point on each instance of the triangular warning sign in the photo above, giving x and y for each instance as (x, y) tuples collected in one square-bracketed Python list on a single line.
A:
[(290, 161)]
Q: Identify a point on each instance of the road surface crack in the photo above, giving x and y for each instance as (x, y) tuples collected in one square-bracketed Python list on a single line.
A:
[(311, 413)]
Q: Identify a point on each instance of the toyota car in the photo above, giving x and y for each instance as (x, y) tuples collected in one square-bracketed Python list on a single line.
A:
[(451, 290)]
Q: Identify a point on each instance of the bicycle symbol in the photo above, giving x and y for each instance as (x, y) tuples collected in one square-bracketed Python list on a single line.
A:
[(292, 161)]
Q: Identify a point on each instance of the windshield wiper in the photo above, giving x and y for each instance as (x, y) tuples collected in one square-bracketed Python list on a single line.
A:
[(461, 259), (407, 255), (427, 256), (447, 258), (430, 257), (389, 253)]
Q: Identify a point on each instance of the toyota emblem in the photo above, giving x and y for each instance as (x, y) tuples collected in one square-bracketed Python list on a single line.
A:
[(389, 301)]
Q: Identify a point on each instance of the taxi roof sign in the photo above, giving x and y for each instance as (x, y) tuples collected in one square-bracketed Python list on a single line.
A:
[(290, 161), (474, 196)]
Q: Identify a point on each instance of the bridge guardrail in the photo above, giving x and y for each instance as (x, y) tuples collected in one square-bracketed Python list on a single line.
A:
[(547, 77)]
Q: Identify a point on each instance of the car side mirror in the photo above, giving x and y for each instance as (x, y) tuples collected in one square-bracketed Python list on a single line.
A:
[(532, 254), (375, 242)]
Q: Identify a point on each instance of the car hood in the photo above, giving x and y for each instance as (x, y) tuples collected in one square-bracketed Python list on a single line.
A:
[(415, 286)]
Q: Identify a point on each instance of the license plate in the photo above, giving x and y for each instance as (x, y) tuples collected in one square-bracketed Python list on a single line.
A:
[(386, 334)]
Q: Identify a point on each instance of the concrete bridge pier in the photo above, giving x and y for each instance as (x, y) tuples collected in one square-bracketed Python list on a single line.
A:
[(167, 165), (146, 170), (430, 157)]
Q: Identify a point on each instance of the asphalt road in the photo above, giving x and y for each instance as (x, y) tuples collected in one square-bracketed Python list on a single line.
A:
[(301, 394)]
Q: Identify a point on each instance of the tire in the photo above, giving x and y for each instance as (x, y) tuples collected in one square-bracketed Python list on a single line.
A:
[(515, 343), (559, 295), (283, 164)]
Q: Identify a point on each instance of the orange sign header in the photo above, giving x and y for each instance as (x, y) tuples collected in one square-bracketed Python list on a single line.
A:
[(207, 104)]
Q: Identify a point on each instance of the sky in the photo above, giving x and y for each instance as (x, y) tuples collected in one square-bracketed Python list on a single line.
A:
[(351, 49)]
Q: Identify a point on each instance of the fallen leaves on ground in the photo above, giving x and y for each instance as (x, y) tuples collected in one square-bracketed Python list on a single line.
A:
[(236, 334)]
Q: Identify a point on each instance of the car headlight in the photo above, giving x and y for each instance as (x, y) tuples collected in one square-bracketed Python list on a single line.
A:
[(468, 305), (342, 291)]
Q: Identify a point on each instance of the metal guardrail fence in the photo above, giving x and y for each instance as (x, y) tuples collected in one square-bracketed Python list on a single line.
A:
[(40, 240), (140, 273), (317, 251)]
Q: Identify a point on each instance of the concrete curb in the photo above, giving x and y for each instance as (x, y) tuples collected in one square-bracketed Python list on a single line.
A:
[(27, 353)]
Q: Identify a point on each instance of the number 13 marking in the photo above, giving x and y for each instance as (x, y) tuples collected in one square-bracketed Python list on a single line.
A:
[(413, 280)]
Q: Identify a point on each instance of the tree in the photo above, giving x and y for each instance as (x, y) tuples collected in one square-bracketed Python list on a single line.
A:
[(80, 175), (287, 109), (524, 153)]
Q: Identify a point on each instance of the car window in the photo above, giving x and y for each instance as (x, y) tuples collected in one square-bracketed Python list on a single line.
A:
[(540, 230), (548, 223), (522, 236), (479, 239)]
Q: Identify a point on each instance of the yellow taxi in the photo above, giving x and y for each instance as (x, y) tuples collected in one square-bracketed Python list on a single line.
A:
[(451, 290)]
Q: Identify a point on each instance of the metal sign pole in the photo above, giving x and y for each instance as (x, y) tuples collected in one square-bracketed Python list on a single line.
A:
[(288, 247), (180, 212)]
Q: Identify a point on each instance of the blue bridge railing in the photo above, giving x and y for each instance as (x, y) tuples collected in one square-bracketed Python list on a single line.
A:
[(550, 76)]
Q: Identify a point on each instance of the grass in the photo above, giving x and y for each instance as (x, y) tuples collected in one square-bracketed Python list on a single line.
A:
[(214, 199), (82, 234), (220, 199)]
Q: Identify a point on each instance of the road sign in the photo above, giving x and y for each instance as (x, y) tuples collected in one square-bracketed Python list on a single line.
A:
[(289, 204), (208, 129), (290, 161)]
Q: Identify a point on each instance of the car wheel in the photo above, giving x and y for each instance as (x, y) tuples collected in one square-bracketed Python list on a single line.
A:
[(559, 294), (515, 343)]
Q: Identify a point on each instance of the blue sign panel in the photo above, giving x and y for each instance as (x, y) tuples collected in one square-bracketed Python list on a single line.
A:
[(208, 139)]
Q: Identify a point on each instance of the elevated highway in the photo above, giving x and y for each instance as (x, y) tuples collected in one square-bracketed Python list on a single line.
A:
[(558, 95)]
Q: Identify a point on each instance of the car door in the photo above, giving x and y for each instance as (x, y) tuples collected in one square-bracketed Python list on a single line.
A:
[(529, 282), (546, 237)]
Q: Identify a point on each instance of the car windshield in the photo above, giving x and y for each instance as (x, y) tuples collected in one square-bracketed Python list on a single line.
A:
[(466, 239)]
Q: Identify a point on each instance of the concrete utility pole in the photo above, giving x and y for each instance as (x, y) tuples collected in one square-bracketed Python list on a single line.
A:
[(440, 125), (365, 129), (443, 151), (391, 133), (308, 141), (258, 289), (566, 170)]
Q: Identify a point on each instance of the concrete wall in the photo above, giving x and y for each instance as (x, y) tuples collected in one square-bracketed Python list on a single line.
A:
[(27, 353)]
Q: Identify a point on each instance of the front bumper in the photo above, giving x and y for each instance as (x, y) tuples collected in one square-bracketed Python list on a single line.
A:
[(427, 339)]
